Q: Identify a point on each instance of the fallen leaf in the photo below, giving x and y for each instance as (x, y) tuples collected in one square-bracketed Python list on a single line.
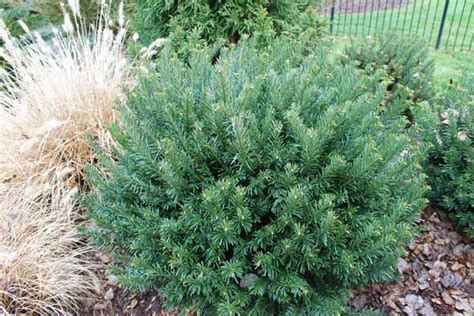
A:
[(457, 266), (451, 279), (463, 305), (454, 237), (359, 301), (434, 273), (447, 298), (439, 265), (470, 253), (439, 241), (426, 249), (457, 292)]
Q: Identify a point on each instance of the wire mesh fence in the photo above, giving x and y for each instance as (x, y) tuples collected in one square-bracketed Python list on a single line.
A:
[(445, 24)]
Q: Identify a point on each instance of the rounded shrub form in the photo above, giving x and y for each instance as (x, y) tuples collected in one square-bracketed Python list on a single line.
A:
[(450, 160), (192, 24), (267, 183), (405, 63)]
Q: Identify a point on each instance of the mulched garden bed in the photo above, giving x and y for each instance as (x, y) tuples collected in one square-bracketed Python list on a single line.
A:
[(436, 279), (436, 275)]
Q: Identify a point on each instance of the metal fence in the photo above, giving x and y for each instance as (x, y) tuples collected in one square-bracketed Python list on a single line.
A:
[(447, 24)]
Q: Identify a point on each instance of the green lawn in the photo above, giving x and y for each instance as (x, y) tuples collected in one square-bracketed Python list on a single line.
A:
[(417, 18), (451, 65)]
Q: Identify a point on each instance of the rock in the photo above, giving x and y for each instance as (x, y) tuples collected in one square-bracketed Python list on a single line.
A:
[(414, 301), (109, 295), (112, 280), (423, 285), (409, 311), (427, 310), (402, 266), (458, 250), (434, 218)]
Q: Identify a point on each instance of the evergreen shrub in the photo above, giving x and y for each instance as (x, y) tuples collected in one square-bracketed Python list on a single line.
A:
[(191, 24), (405, 62), (450, 163), (267, 183)]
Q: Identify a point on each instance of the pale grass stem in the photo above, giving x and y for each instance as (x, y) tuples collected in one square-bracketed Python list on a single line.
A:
[(57, 94)]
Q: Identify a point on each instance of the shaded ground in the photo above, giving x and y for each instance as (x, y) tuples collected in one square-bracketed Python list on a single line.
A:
[(436, 279), (436, 275), (118, 301)]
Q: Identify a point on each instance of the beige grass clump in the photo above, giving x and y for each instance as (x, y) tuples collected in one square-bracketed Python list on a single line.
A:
[(57, 94), (43, 265)]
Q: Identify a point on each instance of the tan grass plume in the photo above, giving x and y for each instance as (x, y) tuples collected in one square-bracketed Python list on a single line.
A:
[(54, 94)]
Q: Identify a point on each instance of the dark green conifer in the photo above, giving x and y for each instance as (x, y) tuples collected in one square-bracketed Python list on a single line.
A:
[(405, 64), (190, 24), (268, 183), (450, 162)]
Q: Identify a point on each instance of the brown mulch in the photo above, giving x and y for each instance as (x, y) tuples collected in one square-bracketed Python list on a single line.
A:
[(116, 300), (359, 6), (436, 279), (436, 275)]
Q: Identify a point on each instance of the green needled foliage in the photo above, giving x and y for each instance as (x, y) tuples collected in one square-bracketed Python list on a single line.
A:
[(450, 163), (405, 62), (267, 183), (190, 24)]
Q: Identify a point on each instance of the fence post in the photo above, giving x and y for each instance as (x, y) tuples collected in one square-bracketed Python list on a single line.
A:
[(331, 19), (441, 26)]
